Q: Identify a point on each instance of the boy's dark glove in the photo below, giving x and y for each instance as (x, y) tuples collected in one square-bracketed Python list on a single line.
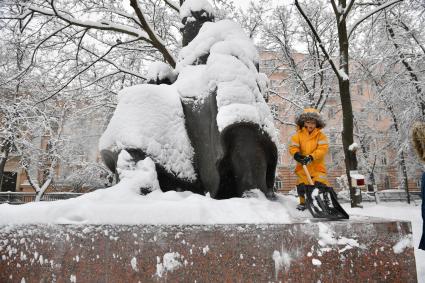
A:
[(307, 160), (299, 157)]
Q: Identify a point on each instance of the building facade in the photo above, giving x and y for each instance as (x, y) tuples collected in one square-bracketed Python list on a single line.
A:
[(386, 174)]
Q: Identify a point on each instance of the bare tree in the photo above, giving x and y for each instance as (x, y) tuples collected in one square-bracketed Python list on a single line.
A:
[(341, 12)]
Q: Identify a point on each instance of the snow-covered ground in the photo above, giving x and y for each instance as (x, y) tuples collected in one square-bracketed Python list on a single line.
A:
[(399, 211), (124, 205)]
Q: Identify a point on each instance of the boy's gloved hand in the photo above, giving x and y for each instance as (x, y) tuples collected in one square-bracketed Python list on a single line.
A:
[(307, 160), (299, 157)]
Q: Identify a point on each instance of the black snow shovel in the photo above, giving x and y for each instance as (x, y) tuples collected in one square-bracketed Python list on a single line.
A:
[(322, 201)]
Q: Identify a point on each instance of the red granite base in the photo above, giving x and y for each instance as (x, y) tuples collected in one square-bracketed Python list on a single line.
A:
[(350, 251)]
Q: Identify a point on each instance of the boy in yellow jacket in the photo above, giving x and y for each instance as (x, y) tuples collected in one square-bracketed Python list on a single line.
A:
[(309, 146)]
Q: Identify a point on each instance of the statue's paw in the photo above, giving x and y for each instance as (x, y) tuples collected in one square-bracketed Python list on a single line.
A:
[(258, 194), (255, 193), (145, 191), (270, 195)]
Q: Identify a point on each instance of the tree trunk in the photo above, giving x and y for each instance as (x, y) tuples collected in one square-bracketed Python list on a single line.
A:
[(402, 164), (3, 161), (42, 190), (413, 77), (404, 172), (347, 109)]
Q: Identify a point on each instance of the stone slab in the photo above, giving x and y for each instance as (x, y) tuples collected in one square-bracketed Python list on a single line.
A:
[(360, 250)]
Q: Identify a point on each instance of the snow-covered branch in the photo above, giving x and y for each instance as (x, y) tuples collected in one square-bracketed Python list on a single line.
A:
[(34, 52), (173, 5), (83, 70), (346, 11), (155, 39), (103, 25), (286, 99), (119, 68), (367, 15), (328, 57)]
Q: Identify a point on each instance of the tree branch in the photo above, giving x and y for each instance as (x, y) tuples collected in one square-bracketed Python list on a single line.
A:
[(408, 30), (367, 15), (120, 69), (347, 10), (33, 55), (82, 71), (156, 40), (286, 99), (172, 5), (104, 25), (318, 39)]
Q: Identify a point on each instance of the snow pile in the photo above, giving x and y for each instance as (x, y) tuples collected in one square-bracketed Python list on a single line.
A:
[(122, 204), (190, 6), (170, 262), (327, 238), (403, 244), (263, 82), (231, 70), (150, 117), (282, 260), (192, 83), (141, 174), (343, 75), (353, 147), (160, 71), (222, 37), (133, 263), (399, 211)]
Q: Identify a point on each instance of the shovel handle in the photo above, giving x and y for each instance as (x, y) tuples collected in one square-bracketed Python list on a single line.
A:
[(308, 175)]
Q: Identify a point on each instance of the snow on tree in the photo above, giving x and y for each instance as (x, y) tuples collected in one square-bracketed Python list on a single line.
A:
[(341, 13)]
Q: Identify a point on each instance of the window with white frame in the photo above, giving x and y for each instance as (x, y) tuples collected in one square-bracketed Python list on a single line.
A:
[(383, 159), (278, 183), (274, 109)]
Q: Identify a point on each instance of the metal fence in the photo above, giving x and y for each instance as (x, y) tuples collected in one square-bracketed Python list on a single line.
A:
[(24, 197), (393, 195)]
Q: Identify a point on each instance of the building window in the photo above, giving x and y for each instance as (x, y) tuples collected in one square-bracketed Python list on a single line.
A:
[(274, 83), (333, 155), (332, 138), (383, 160), (278, 184), (274, 109), (360, 88), (279, 160), (331, 112), (268, 63), (387, 183)]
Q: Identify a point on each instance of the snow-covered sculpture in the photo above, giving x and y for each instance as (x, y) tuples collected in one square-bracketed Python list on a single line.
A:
[(211, 130)]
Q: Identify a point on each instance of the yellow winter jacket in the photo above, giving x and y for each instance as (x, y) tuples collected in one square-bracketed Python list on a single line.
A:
[(316, 145)]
